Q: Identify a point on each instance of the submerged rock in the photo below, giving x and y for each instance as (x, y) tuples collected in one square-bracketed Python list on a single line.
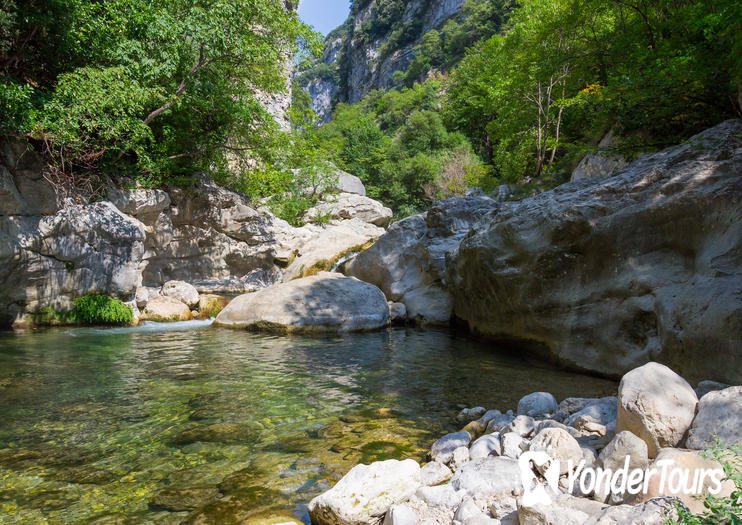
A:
[(326, 302), (181, 499)]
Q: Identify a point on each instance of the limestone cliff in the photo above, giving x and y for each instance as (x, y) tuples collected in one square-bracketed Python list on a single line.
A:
[(375, 42)]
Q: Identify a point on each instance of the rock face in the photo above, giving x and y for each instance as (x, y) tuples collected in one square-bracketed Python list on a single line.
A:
[(606, 274), (719, 416), (356, 62), (326, 302), (657, 405), (207, 238), (51, 260), (409, 262), (600, 163), (366, 493)]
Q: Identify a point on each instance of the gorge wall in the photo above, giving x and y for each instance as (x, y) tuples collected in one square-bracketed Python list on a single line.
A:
[(601, 274), (365, 52)]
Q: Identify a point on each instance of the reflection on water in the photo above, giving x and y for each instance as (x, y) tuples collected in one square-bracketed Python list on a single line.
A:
[(188, 423)]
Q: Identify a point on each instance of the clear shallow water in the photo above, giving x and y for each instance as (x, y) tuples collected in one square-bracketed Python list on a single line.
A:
[(186, 423)]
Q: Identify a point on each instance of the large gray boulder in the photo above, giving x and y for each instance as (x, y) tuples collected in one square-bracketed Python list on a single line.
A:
[(344, 206), (51, 260), (605, 274), (366, 493), (719, 417), (319, 247), (409, 262), (657, 405), (326, 302)]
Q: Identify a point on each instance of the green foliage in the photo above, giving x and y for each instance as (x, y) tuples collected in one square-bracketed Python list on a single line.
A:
[(719, 511), (158, 89), (398, 145), (566, 71), (97, 309)]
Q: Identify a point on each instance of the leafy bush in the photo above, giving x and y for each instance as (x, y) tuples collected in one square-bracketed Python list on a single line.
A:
[(720, 511), (98, 309)]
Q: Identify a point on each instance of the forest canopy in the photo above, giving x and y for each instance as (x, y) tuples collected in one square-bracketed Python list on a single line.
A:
[(153, 89)]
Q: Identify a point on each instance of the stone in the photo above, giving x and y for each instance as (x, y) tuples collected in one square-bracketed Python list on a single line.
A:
[(139, 202), (558, 444), (537, 404), (52, 260), (657, 405), (326, 302), (441, 496), (571, 405), (624, 445), (658, 511), (23, 188), (166, 309), (209, 305), (550, 423), (499, 423), (706, 386), (182, 499), (489, 476), (613, 457), (217, 433), (429, 305), (616, 287), (145, 294), (460, 457), (564, 509), (366, 493), (401, 515), (475, 428), (409, 262), (468, 415), (397, 312), (490, 415), (442, 450), (434, 473), (521, 425), (603, 162), (182, 291), (486, 445), (688, 465), (348, 183), (603, 410), (344, 206), (511, 445), (589, 425), (467, 510), (719, 417), (319, 247)]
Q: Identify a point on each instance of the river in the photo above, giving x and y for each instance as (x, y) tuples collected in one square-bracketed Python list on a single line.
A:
[(140, 425)]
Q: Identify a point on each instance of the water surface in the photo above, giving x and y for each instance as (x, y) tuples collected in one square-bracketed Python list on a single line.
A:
[(186, 423)]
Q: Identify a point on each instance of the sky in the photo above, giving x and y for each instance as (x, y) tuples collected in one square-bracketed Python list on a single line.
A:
[(324, 15)]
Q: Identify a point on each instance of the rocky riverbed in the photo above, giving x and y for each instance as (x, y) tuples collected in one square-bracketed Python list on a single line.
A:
[(482, 475)]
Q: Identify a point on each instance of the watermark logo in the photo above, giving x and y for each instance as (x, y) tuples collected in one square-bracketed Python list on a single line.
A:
[(621, 481)]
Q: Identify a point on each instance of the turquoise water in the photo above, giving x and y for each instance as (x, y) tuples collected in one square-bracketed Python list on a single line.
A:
[(186, 423)]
